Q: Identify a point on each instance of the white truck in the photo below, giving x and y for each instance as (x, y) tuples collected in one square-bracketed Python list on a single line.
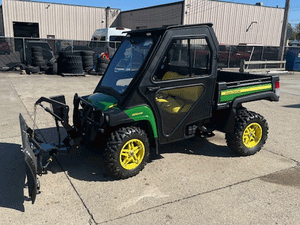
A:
[(111, 37), (110, 34)]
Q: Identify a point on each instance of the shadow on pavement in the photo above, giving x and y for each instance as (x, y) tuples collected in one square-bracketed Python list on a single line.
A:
[(295, 106), (82, 164), (197, 146), (87, 163), (12, 176)]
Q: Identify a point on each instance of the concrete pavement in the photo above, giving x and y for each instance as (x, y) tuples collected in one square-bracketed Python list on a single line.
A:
[(198, 181)]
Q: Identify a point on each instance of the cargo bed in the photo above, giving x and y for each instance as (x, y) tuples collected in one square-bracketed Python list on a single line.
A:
[(233, 85)]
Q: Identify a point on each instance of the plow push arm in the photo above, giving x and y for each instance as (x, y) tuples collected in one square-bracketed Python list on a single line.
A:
[(33, 147), (60, 111)]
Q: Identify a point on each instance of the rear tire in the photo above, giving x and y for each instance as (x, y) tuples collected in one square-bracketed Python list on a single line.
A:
[(127, 152), (250, 133)]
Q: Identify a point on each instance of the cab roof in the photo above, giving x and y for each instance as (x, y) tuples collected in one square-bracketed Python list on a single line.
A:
[(162, 30)]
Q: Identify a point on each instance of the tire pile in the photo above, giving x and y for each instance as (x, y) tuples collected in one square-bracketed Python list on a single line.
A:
[(37, 57), (102, 64), (75, 62), (69, 62), (39, 63), (37, 60), (87, 60)]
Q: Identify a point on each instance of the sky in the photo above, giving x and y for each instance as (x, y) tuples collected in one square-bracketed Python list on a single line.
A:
[(294, 14)]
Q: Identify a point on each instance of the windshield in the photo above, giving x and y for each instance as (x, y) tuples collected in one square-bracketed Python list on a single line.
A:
[(126, 63)]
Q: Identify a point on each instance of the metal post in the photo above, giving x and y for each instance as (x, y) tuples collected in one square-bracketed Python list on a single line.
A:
[(24, 53), (252, 52), (228, 58), (107, 9), (284, 28)]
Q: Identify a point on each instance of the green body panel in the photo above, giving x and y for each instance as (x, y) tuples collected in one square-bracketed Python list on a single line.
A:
[(102, 101), (139, 113), (143, 113), (230, 94)]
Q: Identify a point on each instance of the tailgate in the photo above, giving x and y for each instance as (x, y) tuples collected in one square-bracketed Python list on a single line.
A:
[(30, 160)]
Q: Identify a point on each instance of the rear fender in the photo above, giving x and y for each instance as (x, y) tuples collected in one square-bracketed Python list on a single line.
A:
[(229, 117), (269, 95)]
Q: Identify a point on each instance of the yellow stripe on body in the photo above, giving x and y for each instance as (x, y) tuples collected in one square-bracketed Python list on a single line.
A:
[(243, 90)]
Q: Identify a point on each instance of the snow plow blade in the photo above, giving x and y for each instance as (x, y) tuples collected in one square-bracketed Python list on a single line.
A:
[(30, 160)]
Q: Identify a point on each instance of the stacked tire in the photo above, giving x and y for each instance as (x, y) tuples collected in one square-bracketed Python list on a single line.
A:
[(102, 64), (70, 62), (87, 60), (37, 57)]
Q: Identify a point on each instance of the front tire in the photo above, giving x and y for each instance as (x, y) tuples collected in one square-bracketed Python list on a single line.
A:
[(250, 133), (127, 152)]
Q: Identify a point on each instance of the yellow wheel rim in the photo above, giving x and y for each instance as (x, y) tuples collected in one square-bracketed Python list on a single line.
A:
[(252, 135), (132, 154)]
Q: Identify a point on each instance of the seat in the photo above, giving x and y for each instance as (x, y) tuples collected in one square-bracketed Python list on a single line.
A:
[(178, 100)]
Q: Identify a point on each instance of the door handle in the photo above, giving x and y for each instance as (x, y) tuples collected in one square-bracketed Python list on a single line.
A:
[(153, 89)]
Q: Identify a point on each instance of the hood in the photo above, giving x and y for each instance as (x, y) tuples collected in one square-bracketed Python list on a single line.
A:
[(102, 101)]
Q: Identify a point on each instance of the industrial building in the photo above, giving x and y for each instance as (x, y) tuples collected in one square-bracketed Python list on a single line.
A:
[(152, 17), (49, 20), (234, 23)]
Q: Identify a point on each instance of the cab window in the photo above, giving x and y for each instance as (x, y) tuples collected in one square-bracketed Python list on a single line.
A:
[(184, 58)]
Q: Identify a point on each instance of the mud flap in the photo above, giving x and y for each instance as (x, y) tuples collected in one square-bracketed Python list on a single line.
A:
[(30, 160)]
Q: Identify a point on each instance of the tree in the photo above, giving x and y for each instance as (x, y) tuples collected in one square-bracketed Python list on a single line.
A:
[(293, 32), (297, 30)]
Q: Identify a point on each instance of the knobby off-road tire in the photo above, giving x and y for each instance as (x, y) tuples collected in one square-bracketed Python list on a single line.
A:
[(37, 54), (87, 53), (127, 152), (36, 49), (87, 63), (102, 64), (250, 133), (103, 60), (100, 71)]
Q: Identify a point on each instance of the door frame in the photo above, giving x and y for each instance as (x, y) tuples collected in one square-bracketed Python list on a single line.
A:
[(149, 87)]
